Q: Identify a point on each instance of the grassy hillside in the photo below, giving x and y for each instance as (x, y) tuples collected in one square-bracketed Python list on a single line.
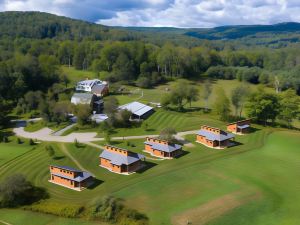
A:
[(259, 175)]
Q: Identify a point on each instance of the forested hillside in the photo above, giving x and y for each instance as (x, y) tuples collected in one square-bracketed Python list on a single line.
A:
[(33, 46), (39, 25)]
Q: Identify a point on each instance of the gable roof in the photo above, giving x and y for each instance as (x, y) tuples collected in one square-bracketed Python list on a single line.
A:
[(136, 108), (215, 137), (162, 147), (119, 159)]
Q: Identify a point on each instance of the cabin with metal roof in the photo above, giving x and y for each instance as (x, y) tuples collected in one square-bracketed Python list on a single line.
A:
[(162, 148), (70, 178), (239, 127), (214, 137), (139, 110), (121, 161)]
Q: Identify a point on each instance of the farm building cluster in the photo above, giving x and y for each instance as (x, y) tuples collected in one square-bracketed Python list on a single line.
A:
[(123, 161), (91, 93)]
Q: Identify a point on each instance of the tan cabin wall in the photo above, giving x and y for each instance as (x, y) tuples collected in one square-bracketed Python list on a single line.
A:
[(63, 172)]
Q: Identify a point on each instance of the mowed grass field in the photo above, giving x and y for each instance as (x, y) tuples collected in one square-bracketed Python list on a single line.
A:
[(254, 183), (161, 119), (8, 152)]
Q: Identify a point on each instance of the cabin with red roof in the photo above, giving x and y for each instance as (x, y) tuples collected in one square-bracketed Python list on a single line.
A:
[(70, 178), (121, 161), (239, 127), (214, 137), (162, 148)]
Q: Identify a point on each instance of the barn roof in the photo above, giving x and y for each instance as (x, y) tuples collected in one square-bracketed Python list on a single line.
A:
[(136, 108)]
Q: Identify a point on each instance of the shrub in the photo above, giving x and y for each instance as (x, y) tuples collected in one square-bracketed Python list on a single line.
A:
[(5, 139), (17, 191), (19, 141), (50, 151), (31, 142), (59, 209)]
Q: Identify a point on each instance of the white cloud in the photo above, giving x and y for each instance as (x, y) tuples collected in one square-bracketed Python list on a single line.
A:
[(177, 13), (210, 13)]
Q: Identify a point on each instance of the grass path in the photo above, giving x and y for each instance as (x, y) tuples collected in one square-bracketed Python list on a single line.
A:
[(77, 163)]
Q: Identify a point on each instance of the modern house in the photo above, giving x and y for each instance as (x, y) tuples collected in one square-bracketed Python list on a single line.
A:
[(214, 137), (95, 102), (161, 148), (87, 85), (70, 178), (239, 127), (119, 160), (139, 110)]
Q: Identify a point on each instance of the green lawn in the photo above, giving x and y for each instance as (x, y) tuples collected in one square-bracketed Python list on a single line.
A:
[(77, 75), (35, 126), (162, 119), (12, 150)]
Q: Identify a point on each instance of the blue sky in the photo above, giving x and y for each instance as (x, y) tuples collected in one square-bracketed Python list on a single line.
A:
[(175, 13)]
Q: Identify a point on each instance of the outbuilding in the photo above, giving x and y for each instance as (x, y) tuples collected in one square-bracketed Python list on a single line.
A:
[(214, 137), (239, 127), (139, 110), (162, 148), (121, 161), (70, 178)]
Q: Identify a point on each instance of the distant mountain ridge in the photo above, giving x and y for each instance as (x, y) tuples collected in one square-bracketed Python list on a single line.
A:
[(39, 25), (240, 31)]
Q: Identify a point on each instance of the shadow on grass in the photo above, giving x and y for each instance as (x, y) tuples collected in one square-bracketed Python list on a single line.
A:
[(253, 129), (79, 145), (58, 157), (234, 144), (183, 153), (148, 165), (150, 130), (95, 184)]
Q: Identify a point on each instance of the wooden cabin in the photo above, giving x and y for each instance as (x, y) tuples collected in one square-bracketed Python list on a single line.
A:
[(214, 137), (119, 160), (239, 127), (70, 178), (162, 148)]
